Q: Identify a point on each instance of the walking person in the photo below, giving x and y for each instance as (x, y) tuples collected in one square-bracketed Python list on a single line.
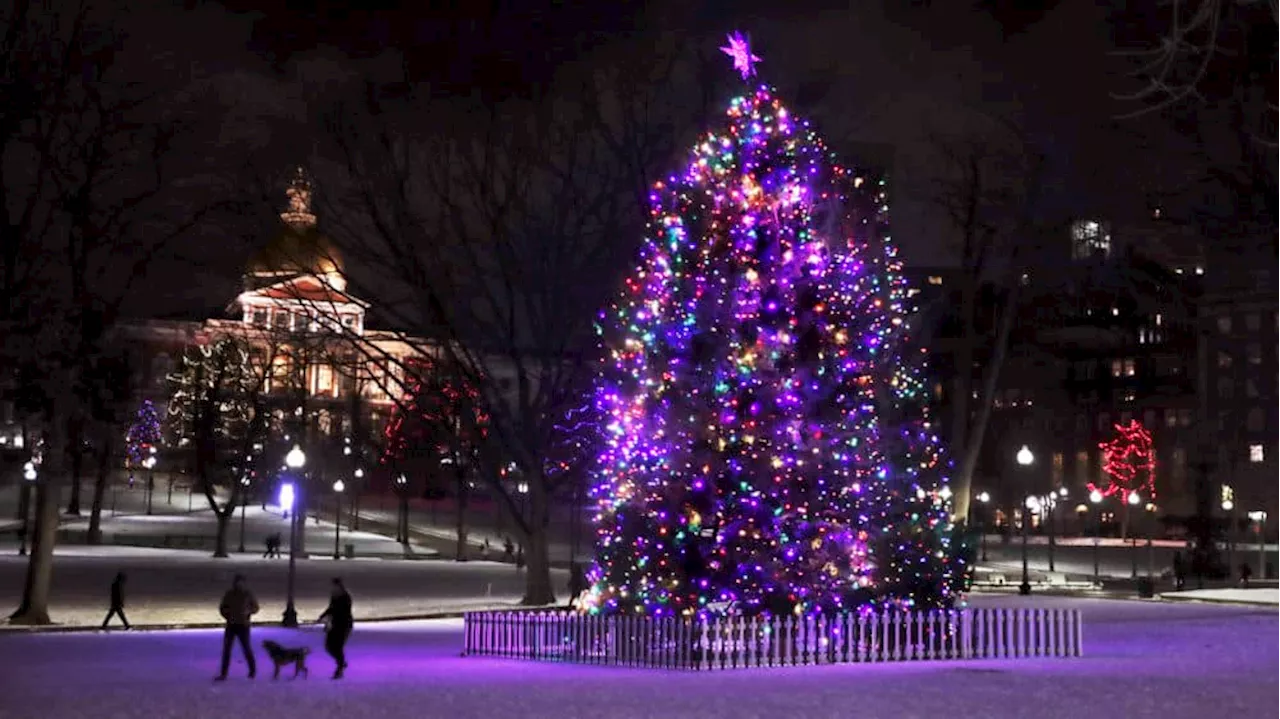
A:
[(271, 547), (520, 559), (237, 608), (337, 626), (508, 550), (1179, 572), (117, 601)]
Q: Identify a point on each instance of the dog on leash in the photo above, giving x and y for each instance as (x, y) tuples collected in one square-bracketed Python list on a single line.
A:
[(284, 656)]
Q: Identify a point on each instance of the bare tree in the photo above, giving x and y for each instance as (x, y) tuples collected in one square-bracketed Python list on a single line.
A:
[(987, 186)]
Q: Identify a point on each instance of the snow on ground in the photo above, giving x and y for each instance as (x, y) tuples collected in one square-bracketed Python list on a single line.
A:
[(168, 587), (1143, 660), (1264, 596)]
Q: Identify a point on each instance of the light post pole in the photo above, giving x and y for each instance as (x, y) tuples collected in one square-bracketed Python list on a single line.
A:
[(983, 498), (150, 464), (244, 501), (1095, 497), (1032, 505), (1259, 519), (295, 460), (1229, 508), (1134, 500), (355, 499), (1151, 547), (402, 529), (338, 486), (29, 475)]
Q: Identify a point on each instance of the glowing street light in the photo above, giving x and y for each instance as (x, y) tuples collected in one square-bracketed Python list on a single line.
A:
[(1025, 457), (29, 476), (296, 459), (983, 498), (338, 486)]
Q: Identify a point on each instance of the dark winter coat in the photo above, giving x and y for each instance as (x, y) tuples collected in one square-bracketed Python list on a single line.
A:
[(117, 594), (339, 612), (238, 605)]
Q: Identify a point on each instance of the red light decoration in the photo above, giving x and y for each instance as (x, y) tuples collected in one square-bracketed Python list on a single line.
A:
[(1129, 460)]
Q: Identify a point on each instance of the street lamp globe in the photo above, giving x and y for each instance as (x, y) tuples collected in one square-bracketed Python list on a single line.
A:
[(1025, 457), (1134, 499), (984, 497), (29, 472), (338, 486), (1228, 505), (149, 462), (359, 473), (1095, 496), (296, 458), (1062, 492), (1033, 503)]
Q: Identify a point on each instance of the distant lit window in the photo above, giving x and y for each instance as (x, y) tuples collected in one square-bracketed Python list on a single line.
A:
[(1117, 368), (1256, 453), (1224, 324), (1184, 417), (935, 280), (1170, 418), (1254, 353), (1090, 238), (1130, 368), (1199, 269), (1159, 320), (1224, 360)]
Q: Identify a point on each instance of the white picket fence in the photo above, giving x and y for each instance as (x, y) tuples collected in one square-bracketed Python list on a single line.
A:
[(740, 642)]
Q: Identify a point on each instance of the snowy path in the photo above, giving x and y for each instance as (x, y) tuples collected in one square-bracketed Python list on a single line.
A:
[(1144, 660)]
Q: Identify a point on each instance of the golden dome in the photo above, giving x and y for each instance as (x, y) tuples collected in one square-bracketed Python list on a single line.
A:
[(297, 251), (299, 248)]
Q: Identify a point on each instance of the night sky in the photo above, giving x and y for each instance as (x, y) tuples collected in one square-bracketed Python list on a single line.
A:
[(891, 76)]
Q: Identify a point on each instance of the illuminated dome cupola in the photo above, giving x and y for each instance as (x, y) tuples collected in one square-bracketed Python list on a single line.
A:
[(299, 248)]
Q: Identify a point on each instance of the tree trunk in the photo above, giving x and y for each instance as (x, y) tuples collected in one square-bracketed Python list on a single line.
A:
[(978, 432), (460, 550), (99, 491), (402, 520), (224, 521), (76, 439), (34, 608), (537, 588)]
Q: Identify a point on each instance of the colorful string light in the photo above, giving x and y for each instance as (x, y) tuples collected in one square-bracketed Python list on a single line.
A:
[(1129, 462), (144, 434), (767, 447)]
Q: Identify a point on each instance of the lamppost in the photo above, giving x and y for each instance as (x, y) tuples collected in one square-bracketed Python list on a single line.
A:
[(29, 475), (401, 524), (1096, 498), (1032, 506), (983, 498), (1050, 503), (1151, 547), (295, 460), (1259, 519), (1134, 500), (338, 486), (150, 464), (355, 499), (1229, 508), (244, 501)]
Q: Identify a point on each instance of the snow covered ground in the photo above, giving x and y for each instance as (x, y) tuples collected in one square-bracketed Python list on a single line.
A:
[(183, 587), (1263, 597), (1143, 660)]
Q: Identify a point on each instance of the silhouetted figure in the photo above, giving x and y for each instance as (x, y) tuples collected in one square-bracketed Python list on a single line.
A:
[(577, 582), (271, 547), (117, 601), (520, 559), (338, 623), (508, 550), (238, 607), (1246, 573), (484, 550), (1179, 572)]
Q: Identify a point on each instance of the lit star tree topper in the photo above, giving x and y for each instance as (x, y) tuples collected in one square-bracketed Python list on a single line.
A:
[(739, 48), (766, 446)]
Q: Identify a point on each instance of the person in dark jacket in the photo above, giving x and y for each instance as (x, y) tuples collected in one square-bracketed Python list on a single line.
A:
[(117, 601), (237, 608), (1179, 572), (338, 623)]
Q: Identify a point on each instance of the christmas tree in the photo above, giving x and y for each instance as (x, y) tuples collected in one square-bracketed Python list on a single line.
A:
[(767, 443), (144, 434)]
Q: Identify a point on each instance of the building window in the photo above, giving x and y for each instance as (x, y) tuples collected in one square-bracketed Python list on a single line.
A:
[(1256, 453), (280, 320), (1125, 417), (1184, 417), (1149, 418), (1251, 388), (1055, 474), (1254, 353), (1256, 422), (1082, 424), (1117, 367), (1179, 464), (1224, 324), (935, 280), (1130, 368), (1225, 388), (1170, 418), (1104, 422), (1224, 360), (1089, 238), (1252, 322), (1082, 467), (324, 379), (259, 317)]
